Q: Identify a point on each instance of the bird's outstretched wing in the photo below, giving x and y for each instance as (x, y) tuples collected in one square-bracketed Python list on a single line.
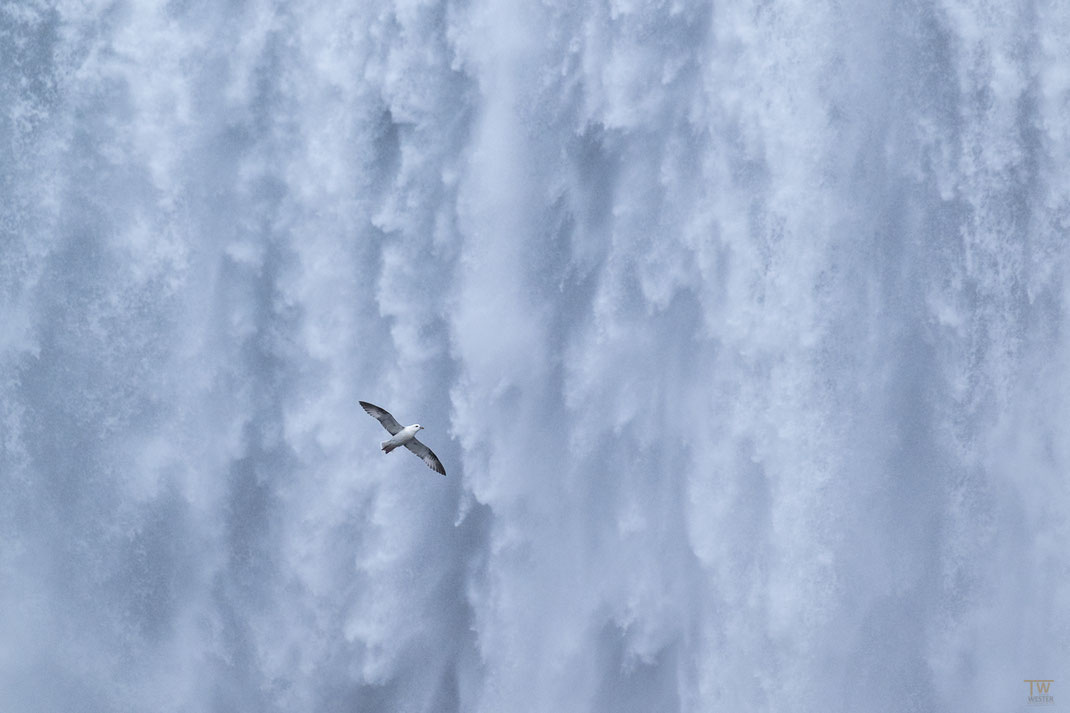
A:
[(382, 416), (427, 455)]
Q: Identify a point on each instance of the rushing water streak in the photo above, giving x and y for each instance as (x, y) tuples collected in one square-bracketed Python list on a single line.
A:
[(741, 328)]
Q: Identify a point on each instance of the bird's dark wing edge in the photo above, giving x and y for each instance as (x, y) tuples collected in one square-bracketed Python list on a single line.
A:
[(427, 455), (382, 416)]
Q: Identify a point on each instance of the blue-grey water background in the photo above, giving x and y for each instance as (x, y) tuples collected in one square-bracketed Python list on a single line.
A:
[(741, 328)]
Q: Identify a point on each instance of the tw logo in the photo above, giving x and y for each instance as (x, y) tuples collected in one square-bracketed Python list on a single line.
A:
[(1040, 691)]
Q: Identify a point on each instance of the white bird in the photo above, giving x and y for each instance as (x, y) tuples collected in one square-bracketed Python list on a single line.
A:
[(403, 437)]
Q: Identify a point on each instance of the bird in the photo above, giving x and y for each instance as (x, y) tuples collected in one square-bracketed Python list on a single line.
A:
[(403, 437)]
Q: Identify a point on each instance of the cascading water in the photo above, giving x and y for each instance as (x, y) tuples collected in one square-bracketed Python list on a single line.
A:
[(741, 328)]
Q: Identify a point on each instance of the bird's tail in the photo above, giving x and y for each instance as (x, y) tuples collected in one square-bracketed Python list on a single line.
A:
[(387, 446)]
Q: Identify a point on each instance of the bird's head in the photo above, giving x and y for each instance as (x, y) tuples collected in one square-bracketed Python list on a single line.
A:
[(419, 427)]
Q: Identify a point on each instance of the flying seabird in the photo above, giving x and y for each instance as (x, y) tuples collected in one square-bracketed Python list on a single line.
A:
[(403, 437)]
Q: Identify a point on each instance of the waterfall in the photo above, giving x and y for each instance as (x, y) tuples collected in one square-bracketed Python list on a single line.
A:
[(740, 328)]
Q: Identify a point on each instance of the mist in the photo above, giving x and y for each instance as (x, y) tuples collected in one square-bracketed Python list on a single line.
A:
[(741, 329)]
